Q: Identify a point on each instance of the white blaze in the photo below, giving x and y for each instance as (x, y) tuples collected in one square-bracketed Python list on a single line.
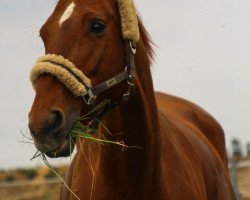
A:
[(67, 13)]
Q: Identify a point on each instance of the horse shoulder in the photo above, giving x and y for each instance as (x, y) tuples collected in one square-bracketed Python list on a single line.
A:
[(194, 117), (190, 164)]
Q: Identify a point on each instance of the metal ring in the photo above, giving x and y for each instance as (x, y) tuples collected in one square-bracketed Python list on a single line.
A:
[(132, 47), (89, 97), (130, 83)]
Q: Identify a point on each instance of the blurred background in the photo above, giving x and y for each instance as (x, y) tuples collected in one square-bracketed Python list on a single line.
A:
[(202, 53)]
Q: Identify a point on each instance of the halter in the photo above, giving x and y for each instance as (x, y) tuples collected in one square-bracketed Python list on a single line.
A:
[(76, 81), (127, 75)]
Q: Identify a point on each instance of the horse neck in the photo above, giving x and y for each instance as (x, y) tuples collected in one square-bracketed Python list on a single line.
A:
[(138, 116), (135, 123), (136, 119)]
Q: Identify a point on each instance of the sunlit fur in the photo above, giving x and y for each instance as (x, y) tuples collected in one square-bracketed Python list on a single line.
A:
[(177, 150)]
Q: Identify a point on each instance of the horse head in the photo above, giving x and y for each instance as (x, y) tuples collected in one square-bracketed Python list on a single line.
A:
[(90, 36)]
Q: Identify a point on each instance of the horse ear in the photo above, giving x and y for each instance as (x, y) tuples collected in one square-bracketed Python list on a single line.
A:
[(129, 21)]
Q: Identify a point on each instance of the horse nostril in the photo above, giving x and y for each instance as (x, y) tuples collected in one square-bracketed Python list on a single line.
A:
[(48, 124), (56, 121)]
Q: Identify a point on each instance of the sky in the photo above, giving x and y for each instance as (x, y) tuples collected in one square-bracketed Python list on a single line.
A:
[(202, 53)]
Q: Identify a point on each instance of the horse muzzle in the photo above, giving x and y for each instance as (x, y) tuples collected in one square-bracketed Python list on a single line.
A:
[(51, 134)]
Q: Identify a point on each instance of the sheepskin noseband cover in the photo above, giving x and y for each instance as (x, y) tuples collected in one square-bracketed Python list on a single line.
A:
[(64, 70)]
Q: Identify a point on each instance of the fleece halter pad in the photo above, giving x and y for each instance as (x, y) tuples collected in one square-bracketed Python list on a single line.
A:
[(129, 21), (64, 70)]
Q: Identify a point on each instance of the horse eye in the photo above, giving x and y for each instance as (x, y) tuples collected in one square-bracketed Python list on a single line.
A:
[(96, 26)]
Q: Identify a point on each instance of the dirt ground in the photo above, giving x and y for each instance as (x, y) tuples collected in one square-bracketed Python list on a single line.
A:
[(244, 182), (36, 192), (31, 184), (44, 185)]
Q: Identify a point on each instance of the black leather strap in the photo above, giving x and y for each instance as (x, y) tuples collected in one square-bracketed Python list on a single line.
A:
[(131, 58), (110, 83)]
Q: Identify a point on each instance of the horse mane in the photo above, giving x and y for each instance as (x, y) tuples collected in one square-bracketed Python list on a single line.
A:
[(146, 40), (143, 59)]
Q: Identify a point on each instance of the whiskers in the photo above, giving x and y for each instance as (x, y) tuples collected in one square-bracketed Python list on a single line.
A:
[(29, 140)]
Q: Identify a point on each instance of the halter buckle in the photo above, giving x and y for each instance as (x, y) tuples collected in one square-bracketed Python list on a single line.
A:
[(89, 97)]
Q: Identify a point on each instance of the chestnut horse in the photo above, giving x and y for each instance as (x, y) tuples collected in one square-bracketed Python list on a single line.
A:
[(177, 149)]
